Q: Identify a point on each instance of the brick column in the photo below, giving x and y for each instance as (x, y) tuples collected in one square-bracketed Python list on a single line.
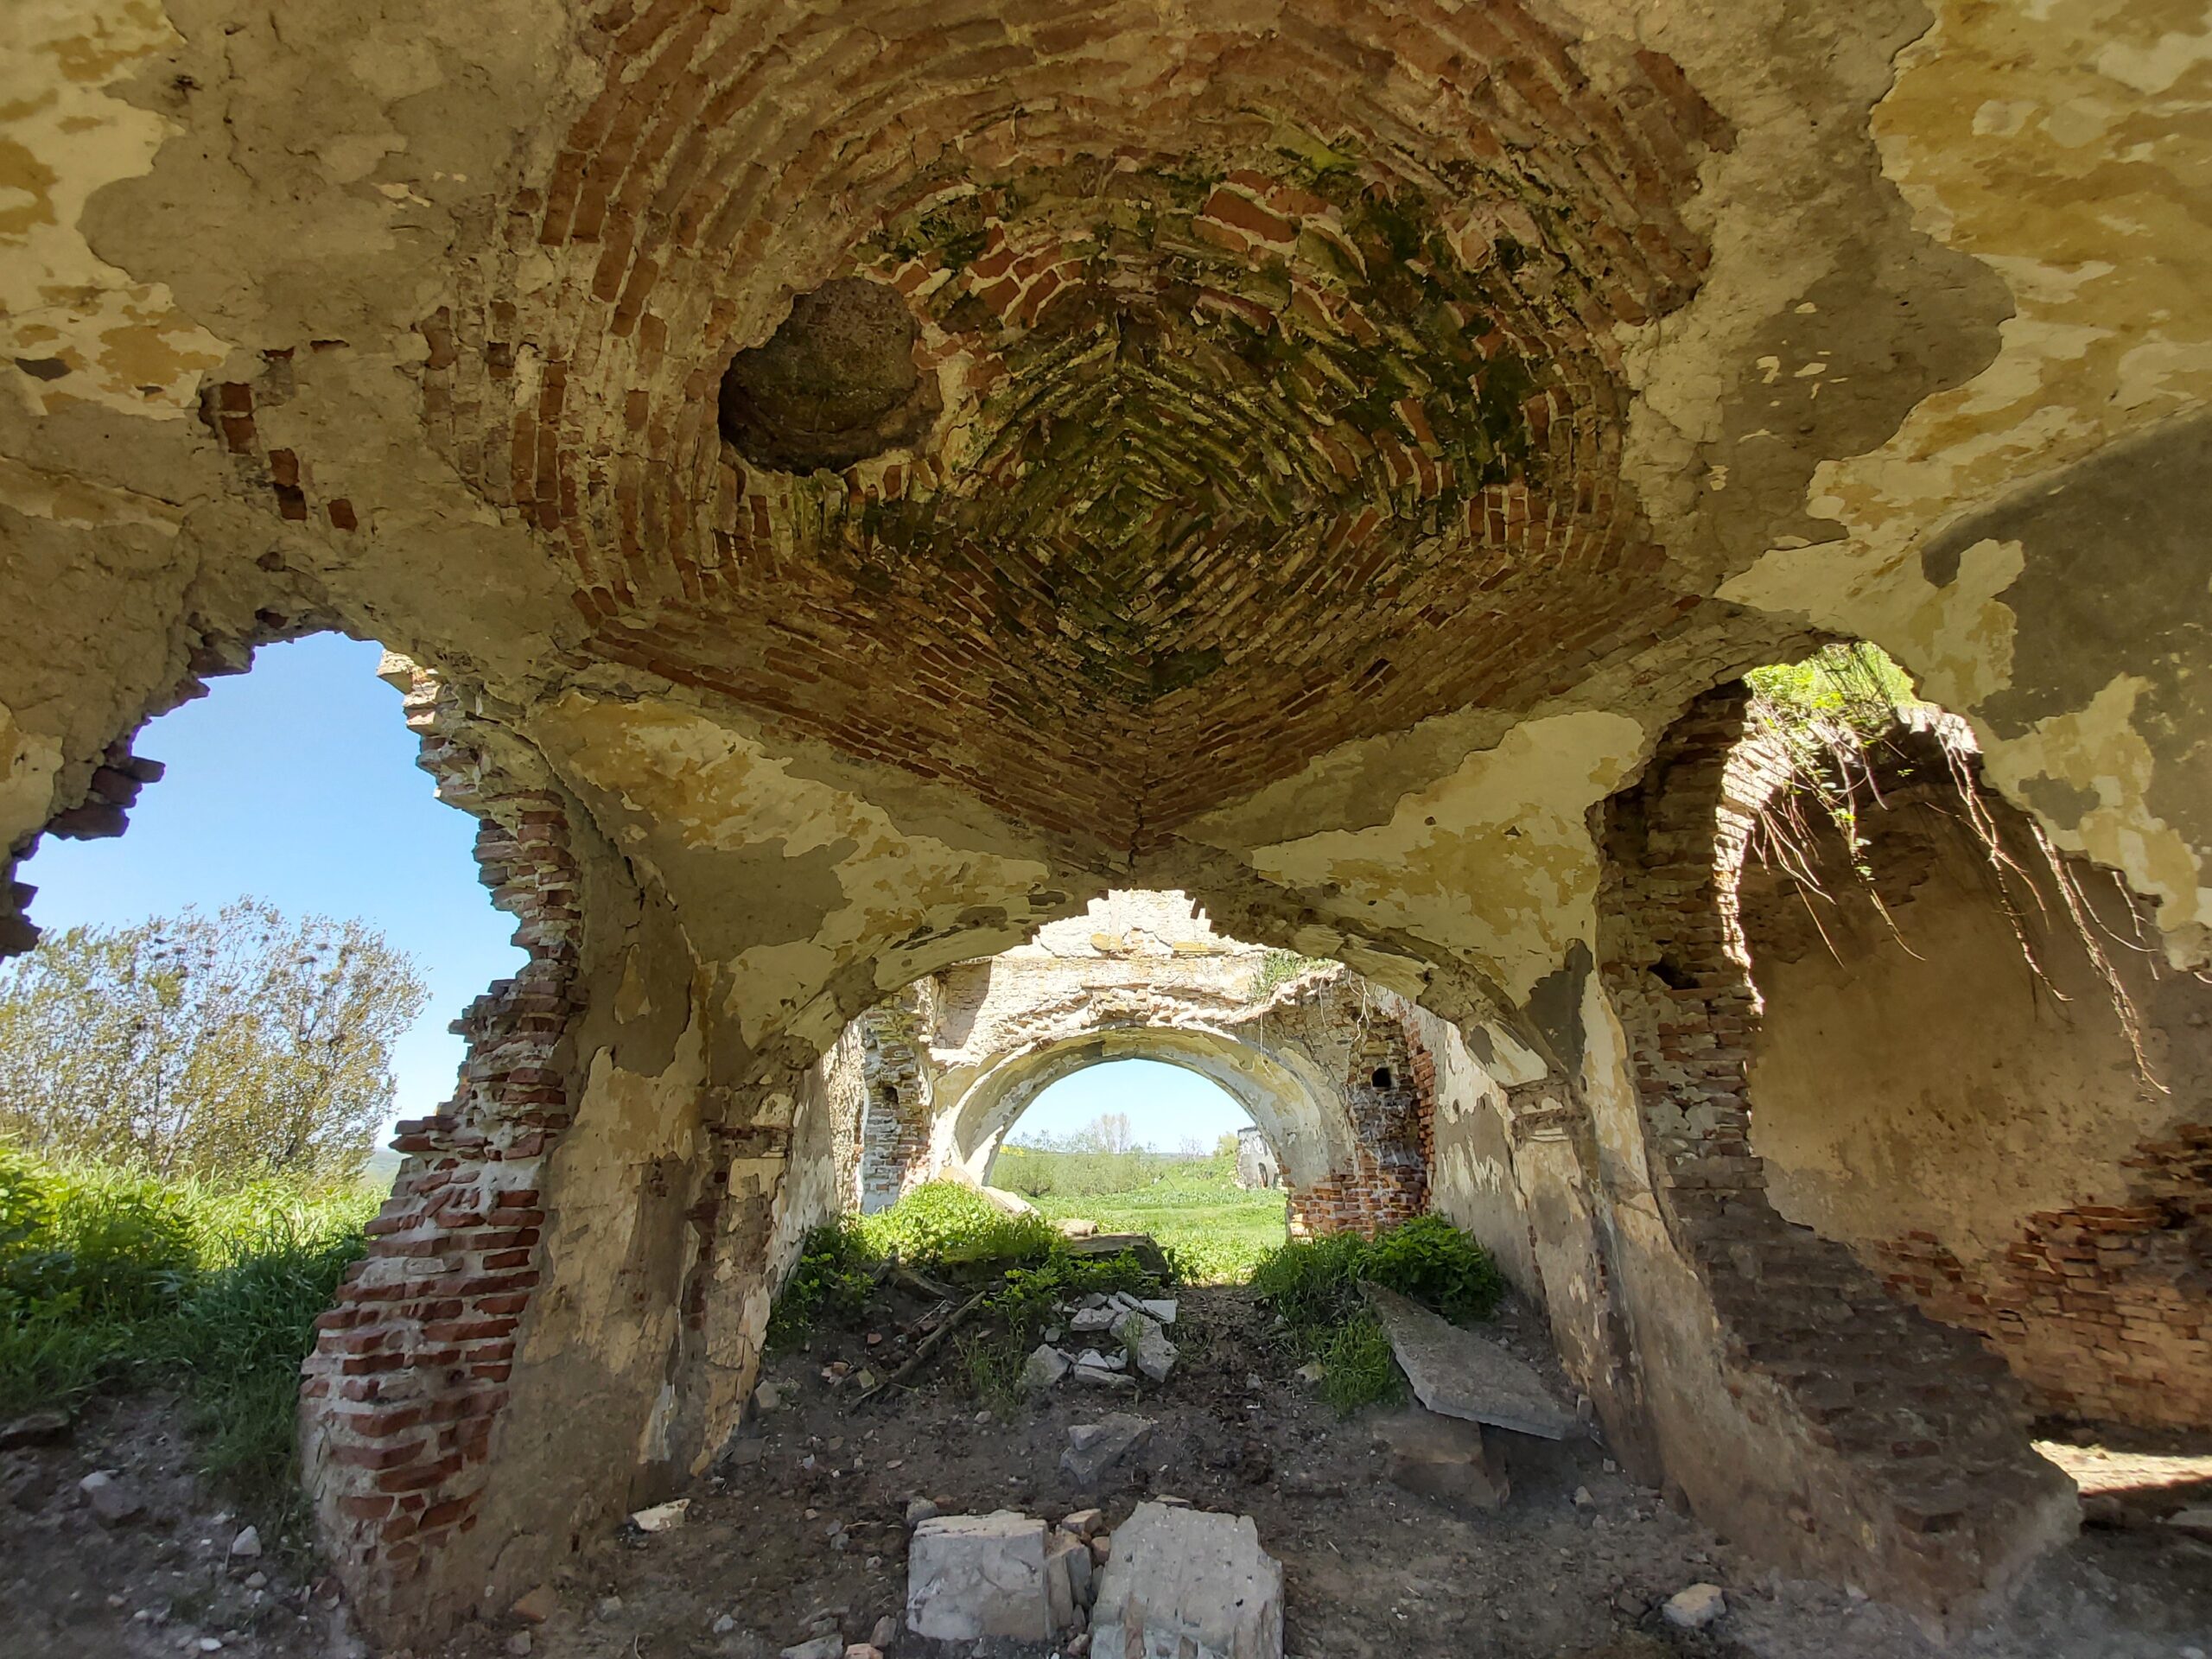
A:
[(409, 1369)]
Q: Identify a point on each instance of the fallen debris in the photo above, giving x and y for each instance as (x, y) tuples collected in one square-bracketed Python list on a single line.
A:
[(1094, 1449), (1696, 1607), (113, 1499), (1180, 1580), (1459, 1374), (1044, 1368), (662, 1517), (1148, 1345), (970, 1577), (1446, 1460), (44, 1428)]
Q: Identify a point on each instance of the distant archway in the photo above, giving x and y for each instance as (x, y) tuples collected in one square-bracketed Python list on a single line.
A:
[(1285, 1094)]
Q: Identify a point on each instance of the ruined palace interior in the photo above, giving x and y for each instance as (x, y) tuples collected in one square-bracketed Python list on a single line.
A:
[(845, 488)]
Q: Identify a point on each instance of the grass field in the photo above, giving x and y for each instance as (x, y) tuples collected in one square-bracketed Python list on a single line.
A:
[(1217, 1231)]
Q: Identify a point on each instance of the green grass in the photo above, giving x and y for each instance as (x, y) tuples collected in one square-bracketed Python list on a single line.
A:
[(1215, 1233), (1021, 1263), (113, 1280)]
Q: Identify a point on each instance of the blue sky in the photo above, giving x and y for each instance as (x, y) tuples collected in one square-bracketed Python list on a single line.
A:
[(296, 783), (1166, 1104)]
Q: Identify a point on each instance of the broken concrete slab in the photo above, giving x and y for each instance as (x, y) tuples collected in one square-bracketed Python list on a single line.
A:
[(1094, 1449), (1189, 1581), (1462, 1375), (1444, 1459), (1067, 1578), (970, 1577)]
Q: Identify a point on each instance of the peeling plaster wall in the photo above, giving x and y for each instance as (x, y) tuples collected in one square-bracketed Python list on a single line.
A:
[(1472, 1182), (1946, 1086)]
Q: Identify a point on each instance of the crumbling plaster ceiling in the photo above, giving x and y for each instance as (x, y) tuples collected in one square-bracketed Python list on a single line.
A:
[(1795, 286)]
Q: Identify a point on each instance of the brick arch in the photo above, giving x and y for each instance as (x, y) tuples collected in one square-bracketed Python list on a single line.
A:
[(1275, 1091)]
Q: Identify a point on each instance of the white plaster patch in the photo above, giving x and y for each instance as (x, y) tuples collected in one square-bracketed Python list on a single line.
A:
[(2096, 749), (1493, 861), (63, 137)]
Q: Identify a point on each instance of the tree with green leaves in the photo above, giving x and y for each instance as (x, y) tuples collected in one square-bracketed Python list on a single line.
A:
[(237, 1045)]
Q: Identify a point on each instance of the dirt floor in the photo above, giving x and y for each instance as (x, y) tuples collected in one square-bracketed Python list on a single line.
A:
[(802, 1533)]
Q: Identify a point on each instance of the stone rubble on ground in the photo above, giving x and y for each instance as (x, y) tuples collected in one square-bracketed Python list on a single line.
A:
[(1044, 1368), (1446, 1459), (2195, 1522), (662, 1517), (44, 1428), (246, 1546), (1148, 1343), (536, 1606), (1189, 1581), (113, 1499), (819, 1647), (973, 1578), (1696, 1607), (1094, 1449)]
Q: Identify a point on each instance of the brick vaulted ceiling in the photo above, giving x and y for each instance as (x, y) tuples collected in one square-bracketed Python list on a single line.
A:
[(1260, 391)]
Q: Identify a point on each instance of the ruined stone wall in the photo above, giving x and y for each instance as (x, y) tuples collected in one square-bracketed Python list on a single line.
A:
[(1943, 1079), (1872, 1441), (896, 1085), (1385, 1179)]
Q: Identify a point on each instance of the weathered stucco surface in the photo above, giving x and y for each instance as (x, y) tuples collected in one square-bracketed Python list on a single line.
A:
[(1357, 439)]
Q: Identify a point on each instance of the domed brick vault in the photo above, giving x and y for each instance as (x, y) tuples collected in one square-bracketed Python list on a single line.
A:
[(848, 484)]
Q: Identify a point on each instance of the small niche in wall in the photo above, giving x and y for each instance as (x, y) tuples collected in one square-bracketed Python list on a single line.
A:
[(889, 1093), (1382, 1078)]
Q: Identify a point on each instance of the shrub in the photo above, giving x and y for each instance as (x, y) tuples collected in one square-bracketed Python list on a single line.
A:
[(1436, 1264), (1021, 1264), (947, 1226)]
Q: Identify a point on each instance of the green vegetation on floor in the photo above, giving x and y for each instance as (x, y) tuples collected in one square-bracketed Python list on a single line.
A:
[(1313, 1286), (114, 1279), (1021, 1264)]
